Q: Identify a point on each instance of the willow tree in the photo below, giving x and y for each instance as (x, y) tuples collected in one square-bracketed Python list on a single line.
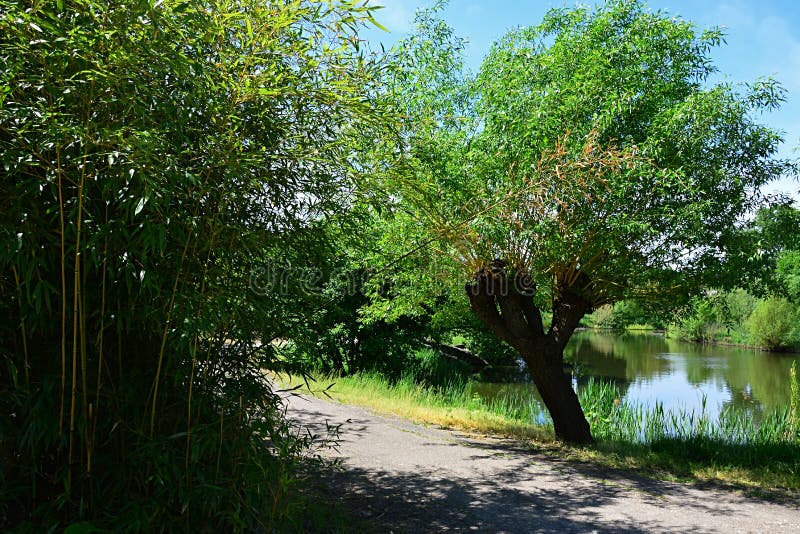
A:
[(590, 160)]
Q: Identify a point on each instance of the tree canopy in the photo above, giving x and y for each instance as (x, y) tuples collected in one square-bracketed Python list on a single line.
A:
[(591, 159)]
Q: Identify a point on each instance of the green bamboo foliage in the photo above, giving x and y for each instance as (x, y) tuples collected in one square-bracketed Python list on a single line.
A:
[(153, 156)]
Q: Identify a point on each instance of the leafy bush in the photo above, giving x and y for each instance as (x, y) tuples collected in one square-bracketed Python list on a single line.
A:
[(737, 306), (430, 367), (788, 273), (772, 323), (602, 317), (627, 314), (699, 322)]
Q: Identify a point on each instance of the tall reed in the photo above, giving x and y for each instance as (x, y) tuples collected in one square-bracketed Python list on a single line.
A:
[(731, 434)]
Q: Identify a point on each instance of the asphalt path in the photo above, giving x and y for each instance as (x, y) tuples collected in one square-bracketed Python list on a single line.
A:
[(403, 477)]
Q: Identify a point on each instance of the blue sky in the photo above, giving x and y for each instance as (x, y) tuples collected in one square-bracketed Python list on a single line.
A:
[(763, 39)]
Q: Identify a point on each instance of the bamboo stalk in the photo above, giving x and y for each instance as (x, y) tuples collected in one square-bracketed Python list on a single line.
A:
[(166, 331), (89, 448), (26, 361), (86, 409), (75, 321), (82, 335), (219, 449), (159, 367), (189, 413), (194, 357), (63, 295), (99, 357), (76, 297)]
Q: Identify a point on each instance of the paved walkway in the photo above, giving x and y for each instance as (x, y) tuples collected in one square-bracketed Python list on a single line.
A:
[(405, 477)]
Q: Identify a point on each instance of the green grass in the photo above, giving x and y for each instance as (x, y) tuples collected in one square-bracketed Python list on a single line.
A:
[(732, 448), (640, 327), (682, 445), (455, 405)]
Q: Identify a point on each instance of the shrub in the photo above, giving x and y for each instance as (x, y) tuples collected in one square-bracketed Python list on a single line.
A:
[(771, 323), (699, 323)]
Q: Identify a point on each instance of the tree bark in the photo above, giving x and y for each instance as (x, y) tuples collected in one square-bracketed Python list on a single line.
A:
[(508, 310), (546, 367)]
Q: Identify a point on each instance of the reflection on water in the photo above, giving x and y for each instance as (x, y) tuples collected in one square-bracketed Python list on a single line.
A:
[(649, 368)]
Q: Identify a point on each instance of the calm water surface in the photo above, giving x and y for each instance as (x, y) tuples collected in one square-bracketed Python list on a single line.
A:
[(648, 368)]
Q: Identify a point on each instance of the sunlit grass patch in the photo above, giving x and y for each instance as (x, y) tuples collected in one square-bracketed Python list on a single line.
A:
[(454, 405), (733, 449)]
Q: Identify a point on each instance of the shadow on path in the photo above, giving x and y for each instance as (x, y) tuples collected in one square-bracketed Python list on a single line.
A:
[(403, 477), (424, 502)]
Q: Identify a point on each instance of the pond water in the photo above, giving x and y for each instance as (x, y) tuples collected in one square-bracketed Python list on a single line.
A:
[(648, 369)]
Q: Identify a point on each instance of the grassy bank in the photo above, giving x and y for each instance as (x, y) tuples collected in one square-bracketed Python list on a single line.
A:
[(455, 405), (674, 445)]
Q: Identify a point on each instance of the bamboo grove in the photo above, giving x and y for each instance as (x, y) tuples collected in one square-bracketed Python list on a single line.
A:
[(155, 155)]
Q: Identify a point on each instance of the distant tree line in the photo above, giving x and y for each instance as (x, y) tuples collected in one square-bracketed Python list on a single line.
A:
[(764, 311)]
